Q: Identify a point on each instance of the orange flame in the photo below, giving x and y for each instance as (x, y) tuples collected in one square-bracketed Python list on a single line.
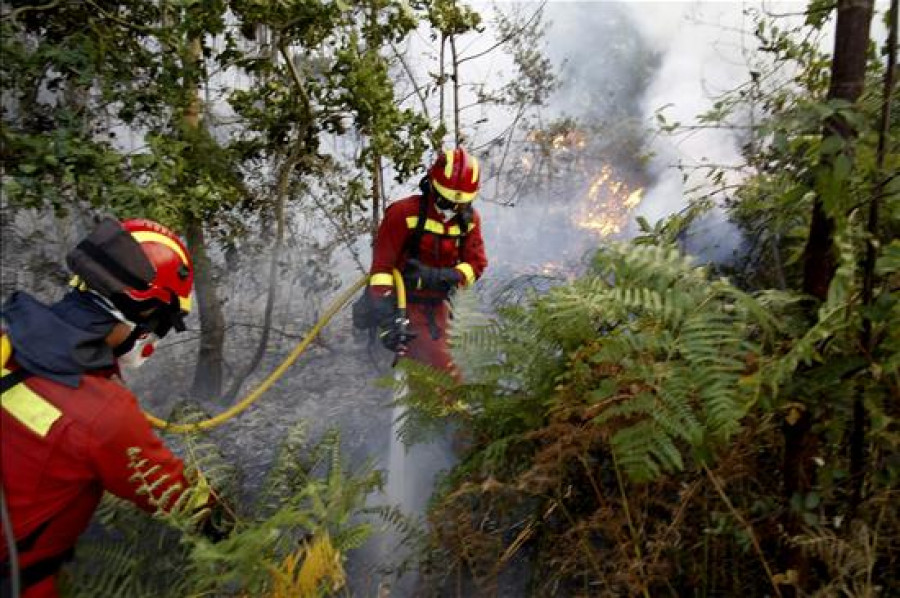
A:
[(608, 204)]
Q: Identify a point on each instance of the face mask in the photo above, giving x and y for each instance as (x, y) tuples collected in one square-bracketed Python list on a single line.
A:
[(447, 208), (137, 348), (447, 213)]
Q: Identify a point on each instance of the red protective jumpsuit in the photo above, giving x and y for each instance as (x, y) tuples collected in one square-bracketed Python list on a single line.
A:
[(443, 245), (62, 447)]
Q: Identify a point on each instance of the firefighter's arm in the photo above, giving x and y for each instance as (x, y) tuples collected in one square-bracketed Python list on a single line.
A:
[(473, 252), (389, 242), (134, 464)]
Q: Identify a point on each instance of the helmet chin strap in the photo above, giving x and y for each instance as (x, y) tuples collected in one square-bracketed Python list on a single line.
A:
[(128, 344)]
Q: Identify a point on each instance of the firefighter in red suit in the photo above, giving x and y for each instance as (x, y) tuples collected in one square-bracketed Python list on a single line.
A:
[(434, 240), (67, 420)]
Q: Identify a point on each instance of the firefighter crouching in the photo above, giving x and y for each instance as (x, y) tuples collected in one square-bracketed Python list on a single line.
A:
[(67, 420), (434, 240)]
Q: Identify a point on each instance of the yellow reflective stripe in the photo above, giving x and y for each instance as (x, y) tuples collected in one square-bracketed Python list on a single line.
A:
[(474, 168), (381, 280), (149, 236), (454, 196), (31, 409), (453, 231), (467, 271), (185, 303), (448, 167), (433, 226)]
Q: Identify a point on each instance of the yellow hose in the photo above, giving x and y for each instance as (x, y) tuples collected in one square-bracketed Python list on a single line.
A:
[(400, 288), (240, 406)]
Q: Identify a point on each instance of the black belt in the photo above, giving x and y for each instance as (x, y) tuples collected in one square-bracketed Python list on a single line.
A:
[(39, 570), (425, 300)]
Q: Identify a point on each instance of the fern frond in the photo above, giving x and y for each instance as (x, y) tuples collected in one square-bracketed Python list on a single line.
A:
[(321, 569), (643, 453)]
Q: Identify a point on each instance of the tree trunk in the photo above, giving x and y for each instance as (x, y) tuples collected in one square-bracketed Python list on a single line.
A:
[(208, 371), (457, 135), (377, 199), (284, 181), (858, 452), (848, 71), (210, 356)]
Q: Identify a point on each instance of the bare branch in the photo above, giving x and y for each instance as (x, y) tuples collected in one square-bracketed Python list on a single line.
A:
[(509, 36)]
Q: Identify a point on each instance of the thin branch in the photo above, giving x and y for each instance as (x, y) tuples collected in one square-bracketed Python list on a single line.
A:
[(298, 82), (441, 84), (416, 87), (456, 133), (508, 37), (284, 179), (511, 129), (634, 534), (747, 527), (346, 237), (14, 15), (120, 21)]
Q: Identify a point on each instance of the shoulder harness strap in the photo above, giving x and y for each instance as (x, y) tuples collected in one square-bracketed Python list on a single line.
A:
[(13, 378), (414, 241), (465, 219)]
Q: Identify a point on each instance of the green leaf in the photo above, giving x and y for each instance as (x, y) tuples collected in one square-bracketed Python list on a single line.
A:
[(832, 145), (842, 167)]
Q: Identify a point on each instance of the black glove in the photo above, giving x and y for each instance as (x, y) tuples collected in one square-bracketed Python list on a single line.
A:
[(393, 330), (418, 277), (395, 333)]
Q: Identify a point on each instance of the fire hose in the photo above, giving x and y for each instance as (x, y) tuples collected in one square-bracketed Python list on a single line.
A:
[(279, 371)]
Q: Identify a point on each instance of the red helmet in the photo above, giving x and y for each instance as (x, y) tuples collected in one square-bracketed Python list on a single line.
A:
[(141, 267), (170, 259), (455, 176)]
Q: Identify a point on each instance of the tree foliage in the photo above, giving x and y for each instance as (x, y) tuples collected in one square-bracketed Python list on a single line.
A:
[(673, 427)]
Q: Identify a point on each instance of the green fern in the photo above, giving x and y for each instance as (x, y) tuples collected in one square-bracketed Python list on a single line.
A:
[(309, 493), (682, 338)]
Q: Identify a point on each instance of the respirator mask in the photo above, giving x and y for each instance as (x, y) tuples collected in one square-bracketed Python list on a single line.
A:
[(140, 343), (137, 348)]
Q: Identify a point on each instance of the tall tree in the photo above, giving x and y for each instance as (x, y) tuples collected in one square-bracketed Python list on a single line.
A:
[(848, 76)]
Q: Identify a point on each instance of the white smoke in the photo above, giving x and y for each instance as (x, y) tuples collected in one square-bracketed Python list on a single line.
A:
[(703, 47)]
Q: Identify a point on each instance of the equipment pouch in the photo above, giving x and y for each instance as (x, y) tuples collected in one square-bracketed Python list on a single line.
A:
[(363, 312)]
